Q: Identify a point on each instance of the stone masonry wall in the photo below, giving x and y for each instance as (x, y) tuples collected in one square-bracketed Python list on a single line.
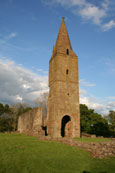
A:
[(63, 100), (30, 122)]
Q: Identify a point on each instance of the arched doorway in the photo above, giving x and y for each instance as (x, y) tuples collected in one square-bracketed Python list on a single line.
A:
[(66, 126)]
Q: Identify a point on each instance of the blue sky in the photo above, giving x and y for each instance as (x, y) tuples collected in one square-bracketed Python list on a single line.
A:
[(28, 31)]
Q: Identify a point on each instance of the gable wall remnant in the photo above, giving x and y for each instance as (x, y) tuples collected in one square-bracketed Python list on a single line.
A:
[(30, 122)]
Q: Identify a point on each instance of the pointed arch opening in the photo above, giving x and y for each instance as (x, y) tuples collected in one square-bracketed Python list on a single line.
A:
[(66, 126)]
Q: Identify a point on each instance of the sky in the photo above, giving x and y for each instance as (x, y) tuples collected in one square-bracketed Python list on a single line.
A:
[(28, 32)]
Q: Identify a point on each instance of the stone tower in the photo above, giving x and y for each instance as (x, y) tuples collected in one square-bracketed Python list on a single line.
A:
[(63, 103)]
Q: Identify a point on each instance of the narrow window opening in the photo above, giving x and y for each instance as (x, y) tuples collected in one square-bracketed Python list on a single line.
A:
[(67, 71), (67, 51)]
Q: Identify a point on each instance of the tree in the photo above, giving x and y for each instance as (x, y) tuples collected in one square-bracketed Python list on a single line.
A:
[(93, 123), (9, 116), (111, 120), (42, 101), (1, 109), (5, 118), (18, 109), (7, 108), (6, 124), (85, 117)]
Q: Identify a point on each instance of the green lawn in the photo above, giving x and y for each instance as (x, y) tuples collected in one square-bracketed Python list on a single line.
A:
[(25, 154), (92, 139)]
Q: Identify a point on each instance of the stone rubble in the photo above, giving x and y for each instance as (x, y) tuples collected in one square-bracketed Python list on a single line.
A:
[(96, 149)]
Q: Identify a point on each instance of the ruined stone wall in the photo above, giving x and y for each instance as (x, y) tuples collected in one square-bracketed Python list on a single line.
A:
[(30, 122), (96, 149)]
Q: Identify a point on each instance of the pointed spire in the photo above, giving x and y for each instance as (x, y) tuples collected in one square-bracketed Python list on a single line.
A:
[(63, 41)]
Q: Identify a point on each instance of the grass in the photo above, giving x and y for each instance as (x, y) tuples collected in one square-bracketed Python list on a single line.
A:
[(25, 154), (92, 139)]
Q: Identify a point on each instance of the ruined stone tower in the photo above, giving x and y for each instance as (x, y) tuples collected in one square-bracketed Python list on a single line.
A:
[(63, 102)]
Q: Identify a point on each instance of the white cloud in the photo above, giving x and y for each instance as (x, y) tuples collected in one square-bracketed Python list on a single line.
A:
[(82, 92), (67, 3), (93, 12), (42, 71), (19, 98), (26, 86), (70, 3), (19, 84), (105, 4), (110, 106), (100, 105), (11, 35), (92, 103), (83, 82), (88, 10), (112, 97), (109, 25), (6, 38)]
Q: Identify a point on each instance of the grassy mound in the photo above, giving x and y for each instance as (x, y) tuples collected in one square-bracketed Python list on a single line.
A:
[(25, 154)]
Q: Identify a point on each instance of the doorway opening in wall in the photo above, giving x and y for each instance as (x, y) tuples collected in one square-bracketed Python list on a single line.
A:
[(65, 123), (44, 128)]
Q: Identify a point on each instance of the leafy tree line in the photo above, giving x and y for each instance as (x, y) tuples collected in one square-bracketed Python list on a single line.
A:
[(9, 116), (91, 122), (94, 123)]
